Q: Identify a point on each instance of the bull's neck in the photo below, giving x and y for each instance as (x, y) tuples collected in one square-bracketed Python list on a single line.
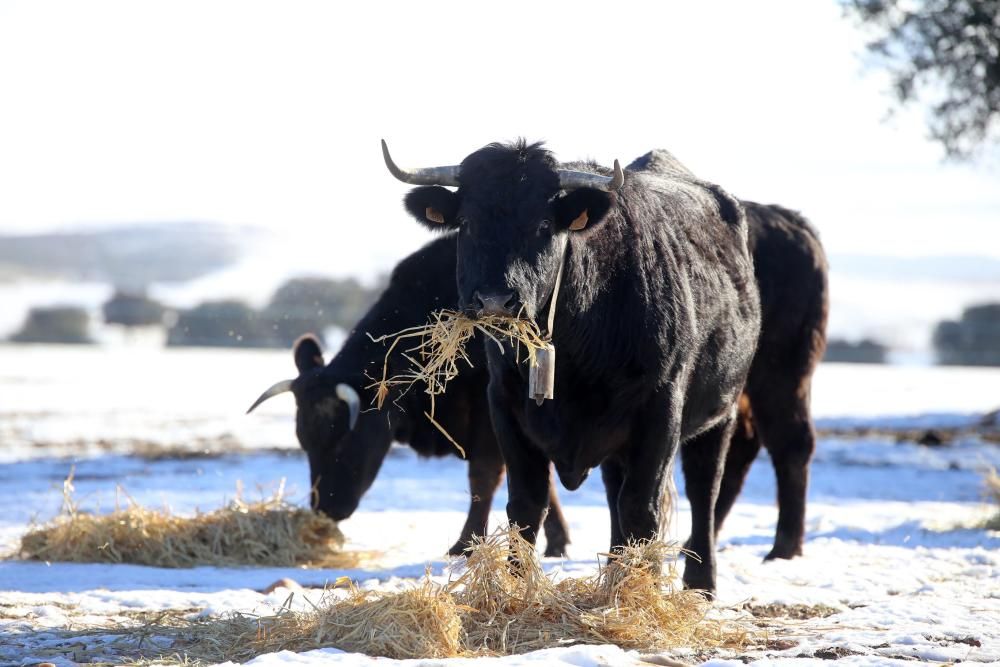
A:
[(593, 293)]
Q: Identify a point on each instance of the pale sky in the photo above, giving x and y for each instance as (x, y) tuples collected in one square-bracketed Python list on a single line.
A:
[(270, 114)]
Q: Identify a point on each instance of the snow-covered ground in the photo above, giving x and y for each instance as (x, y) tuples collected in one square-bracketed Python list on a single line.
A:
[(894, 569)]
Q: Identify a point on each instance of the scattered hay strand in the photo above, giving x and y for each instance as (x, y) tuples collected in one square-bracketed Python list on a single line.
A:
[(493, 608), (270, 532)]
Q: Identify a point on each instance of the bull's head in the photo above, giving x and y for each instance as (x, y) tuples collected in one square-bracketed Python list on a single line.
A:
[(345, 451), (513, 210)]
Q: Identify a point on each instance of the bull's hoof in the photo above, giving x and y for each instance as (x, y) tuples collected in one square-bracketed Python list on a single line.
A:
[(555, 550), (785, 549), (707, 593), (785, 553), (699, 577), (458, 549)]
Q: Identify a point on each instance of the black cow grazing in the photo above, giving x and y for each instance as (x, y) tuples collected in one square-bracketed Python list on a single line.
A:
[(655, 326), (791, 271), (346, 445)]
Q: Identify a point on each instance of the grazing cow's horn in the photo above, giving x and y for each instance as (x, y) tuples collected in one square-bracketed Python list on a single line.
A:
[(569, 180), (422, 176), (347, 394), (275, 389)]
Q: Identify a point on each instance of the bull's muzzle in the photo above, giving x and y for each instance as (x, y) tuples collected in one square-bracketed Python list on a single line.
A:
[(502, 303)]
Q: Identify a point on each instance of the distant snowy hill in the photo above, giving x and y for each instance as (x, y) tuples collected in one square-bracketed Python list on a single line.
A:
[(129, 256)]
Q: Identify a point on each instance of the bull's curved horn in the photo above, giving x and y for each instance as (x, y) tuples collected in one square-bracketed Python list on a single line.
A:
[(421, 176), (568, 179), (347, 394), (274, 390)]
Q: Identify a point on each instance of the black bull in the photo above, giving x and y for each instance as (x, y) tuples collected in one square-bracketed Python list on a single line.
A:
[(655, 326), (791, 274)]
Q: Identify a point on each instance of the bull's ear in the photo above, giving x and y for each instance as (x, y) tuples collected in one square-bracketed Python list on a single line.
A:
[(433, 206), (308, 354), (583, 208)]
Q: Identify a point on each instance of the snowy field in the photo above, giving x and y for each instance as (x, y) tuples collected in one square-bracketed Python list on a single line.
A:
[(895, 569)]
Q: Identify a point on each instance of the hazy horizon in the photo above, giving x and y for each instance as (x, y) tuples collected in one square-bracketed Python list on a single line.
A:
[(894, 300)]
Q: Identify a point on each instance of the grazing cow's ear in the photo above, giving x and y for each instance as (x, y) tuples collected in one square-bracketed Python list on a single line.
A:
[(308, 354), (433, 206), (583, 208)]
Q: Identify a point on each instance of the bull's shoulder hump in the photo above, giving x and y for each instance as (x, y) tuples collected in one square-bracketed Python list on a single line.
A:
[(659, 161), (686, 187)]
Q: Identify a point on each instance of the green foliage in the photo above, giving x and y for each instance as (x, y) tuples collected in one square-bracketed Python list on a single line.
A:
[(304, 305), (865, 351), (133, 310), (974, 340), (220, 324), (945, 53), (59, 324), (299, 306)]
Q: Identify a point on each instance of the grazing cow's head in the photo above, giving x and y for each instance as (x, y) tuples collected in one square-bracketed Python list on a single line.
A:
[(344, 452), (513, 211)]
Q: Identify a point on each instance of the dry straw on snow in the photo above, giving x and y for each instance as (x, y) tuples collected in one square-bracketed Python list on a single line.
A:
[(631, 602), (493, 608), (420, 622), (269, 532)]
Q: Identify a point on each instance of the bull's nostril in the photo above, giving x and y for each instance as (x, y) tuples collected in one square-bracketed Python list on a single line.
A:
[(495, 304)]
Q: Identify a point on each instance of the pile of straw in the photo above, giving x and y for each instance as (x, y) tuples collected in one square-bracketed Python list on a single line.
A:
[(420, 622), (438, 348), (270, 532), (493, 608), (631, 602)]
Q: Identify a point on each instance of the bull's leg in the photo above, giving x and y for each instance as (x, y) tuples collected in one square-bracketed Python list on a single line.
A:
[(787, 432), (703, 460), (527, 468), (485, 473), (556, 529), (743, 449), (614, 477), (642, 514)]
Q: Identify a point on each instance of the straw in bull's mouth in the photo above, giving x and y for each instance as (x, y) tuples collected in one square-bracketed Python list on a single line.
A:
[(439, 346)]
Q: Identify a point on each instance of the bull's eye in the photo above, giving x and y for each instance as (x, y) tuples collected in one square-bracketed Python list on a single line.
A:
[(545, 227)]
